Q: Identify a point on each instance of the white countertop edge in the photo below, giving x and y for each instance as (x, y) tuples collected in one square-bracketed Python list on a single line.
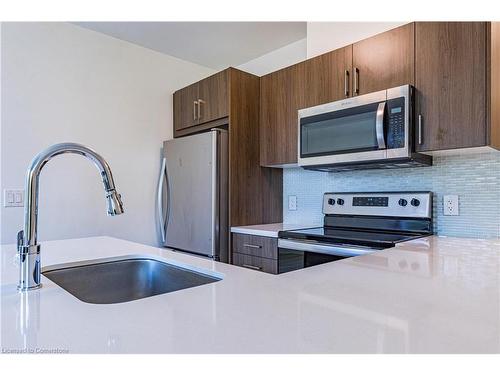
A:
[(269, 230), (255, 232)]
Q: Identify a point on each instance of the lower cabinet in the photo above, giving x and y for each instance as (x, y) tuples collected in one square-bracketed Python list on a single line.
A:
[(255, 252)]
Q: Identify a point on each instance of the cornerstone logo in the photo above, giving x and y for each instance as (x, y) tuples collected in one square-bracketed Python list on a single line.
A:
[(35, 351)]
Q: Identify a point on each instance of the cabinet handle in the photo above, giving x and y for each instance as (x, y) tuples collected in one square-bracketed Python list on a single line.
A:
[(346, 83), (200, 102), (252, 267), (419, 129), (252, 246), (195, 110), (356, 81)]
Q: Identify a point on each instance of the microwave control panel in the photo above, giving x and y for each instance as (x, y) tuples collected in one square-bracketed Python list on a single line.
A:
[(396, 123)]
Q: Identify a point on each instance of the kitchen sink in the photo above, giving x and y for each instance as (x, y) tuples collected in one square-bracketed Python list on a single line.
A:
[(123, 279)]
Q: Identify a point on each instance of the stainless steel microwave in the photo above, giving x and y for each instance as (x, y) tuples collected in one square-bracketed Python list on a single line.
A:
[(363, 132)]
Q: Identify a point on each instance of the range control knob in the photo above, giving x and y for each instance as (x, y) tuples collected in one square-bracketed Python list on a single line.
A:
[(331, 201), (340, 201), (415, 202), (402, 202)]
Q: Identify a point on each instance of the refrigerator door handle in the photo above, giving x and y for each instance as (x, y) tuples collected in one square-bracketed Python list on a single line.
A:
[(215, 193), (161, 214)]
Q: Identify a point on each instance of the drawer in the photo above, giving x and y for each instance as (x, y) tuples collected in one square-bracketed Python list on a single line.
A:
[(256, 263), (264, 247)]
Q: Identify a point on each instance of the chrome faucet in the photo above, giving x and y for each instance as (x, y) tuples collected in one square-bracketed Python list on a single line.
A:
[(27, 246)]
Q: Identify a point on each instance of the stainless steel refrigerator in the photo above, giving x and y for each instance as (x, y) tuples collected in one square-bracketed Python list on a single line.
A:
[(193, 194)]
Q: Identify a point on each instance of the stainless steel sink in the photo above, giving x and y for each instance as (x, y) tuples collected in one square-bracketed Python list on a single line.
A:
[(123, 279)]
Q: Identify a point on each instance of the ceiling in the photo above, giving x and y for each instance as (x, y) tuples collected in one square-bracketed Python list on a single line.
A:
[(215, 45)]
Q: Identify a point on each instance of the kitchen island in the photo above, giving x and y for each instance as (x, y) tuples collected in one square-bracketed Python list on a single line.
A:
[(432, 295)]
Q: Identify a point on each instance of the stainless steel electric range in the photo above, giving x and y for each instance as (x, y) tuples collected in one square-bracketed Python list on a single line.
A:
[(356, 224)]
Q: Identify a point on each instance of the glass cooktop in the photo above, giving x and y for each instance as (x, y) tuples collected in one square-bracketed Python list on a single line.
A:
[(341, 235)]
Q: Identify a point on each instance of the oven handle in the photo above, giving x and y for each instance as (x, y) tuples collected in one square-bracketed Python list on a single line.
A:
[(323, 249), (379, 125)]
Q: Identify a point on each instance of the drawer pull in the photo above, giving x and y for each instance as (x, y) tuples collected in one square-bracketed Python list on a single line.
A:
[(252, 267), (252, 246)]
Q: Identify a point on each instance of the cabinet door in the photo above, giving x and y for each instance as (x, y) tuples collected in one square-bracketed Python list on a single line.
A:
[(278, 118), (383, 61), (213, 97), (315, 81), (185, 109), (327, 77), (450, 80)]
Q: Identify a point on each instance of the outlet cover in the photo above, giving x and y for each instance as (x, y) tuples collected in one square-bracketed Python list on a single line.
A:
[(13, 198), (292, 202), (450, 205)]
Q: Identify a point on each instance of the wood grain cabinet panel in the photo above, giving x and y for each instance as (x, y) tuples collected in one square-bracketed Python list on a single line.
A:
[(312, 82), (383, 61), (450, 85), (264, 247), (493, 84), (256, 193), (201, 103), (185, 110), (327, 78), (213, 97), (278, 138)]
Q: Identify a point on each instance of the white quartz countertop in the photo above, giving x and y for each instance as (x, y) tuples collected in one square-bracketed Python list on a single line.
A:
[(433, 295), (269, 230)]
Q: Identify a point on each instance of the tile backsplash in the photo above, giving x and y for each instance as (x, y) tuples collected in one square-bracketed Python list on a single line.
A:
[(474, 177)]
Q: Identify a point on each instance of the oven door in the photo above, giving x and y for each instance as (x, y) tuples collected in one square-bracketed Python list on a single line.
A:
[(295, 254), (347, 131)]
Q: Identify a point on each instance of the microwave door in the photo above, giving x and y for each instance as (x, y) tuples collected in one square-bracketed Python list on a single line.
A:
[(343, 136)]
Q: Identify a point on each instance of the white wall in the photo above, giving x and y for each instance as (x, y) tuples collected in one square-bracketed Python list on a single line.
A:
[(326, 36), (63, 83), (277, 59)]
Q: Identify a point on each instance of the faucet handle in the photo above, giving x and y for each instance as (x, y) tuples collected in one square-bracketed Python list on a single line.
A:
[(20, 239)]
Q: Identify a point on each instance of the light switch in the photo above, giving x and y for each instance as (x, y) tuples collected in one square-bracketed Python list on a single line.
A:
[(10, 197), (18, 197), (292, 202), (13, 198)]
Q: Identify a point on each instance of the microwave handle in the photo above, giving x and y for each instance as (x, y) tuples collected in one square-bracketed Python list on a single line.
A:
[(379, 125)]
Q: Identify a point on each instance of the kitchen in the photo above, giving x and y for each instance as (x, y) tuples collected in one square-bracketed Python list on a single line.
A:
[(312, 195)]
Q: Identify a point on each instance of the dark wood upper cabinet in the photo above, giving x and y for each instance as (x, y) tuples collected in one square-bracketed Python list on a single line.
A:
[(201, 102), (454, 66), (383, 61), (312, 82), (278, 106), (450, 80), (185, 111), (327, 77), (213, 99)]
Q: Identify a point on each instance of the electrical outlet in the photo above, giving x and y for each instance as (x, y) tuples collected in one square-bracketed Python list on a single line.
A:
[(13, 198), (450, 205), (292, 202)]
